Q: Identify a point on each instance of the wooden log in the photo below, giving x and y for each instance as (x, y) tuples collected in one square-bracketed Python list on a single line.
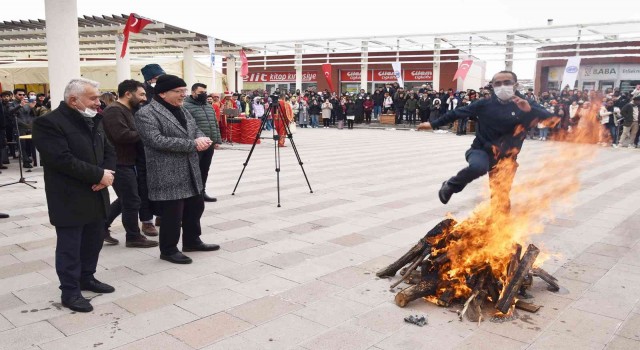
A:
[(422, 289), (513, 286), (545, 276), (529, 307), (446, 298), (416, 250), (493, 288), (411, 268)]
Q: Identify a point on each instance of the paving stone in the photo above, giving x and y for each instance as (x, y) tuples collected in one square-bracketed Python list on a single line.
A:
[(283, 332), (371, 293), (348, 277), (107, 337), (482, 340), (552, 339), (157, 341), (22, 281), (10, 249), (205, 284), (241, 244), (160, 279), (9, 301), (580, 272), (285, 260), (248, 271), (286, 245), (622, 343), (310, 292), (41, 293), (5, 324), (631, 327), (347, 337), (210, 329), (32, 313), (156, 321), (331, 311), (209, 304), (262, 310), (148, 301), (236, 342), (230, 225), (586, 325), (29, 336), (609, 304), (101, 315)]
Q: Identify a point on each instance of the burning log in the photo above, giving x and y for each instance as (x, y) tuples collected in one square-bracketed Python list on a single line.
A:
[(545, 276), (411, 268), (417, 250), (513, 287), (422, 289)]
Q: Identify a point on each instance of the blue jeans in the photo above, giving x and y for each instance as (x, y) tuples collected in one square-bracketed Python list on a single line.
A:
[(376, 111), (613, 129), (544, 132), (269, 124), (314, 120)]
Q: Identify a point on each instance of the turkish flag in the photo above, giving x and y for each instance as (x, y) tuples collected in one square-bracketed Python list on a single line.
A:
[(463, 69), (326, 69), (244, 67), (135, 24)]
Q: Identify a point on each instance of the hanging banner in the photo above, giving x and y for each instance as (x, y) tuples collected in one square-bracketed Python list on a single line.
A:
[(212, 50), (397, 71), (326, 69), (571, 72), (244, 67), (463, 69), (281, 77)]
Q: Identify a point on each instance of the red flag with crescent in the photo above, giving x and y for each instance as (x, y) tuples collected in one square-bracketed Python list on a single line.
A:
[(134, 24), (326, 69), (244, 67), (463, 69)]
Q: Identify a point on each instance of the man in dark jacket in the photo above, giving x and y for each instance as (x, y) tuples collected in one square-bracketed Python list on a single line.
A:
[(77, 161), (20, 110), (206, 120), (629, 122), (151, 72), (121, 131), (502, 122)]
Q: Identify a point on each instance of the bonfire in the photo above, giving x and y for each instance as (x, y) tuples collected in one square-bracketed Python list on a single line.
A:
[(480, 260)]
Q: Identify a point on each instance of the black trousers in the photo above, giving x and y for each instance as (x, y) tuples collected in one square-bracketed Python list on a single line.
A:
[(326, 122), (350, 124), (145, 213), (424, 115), (77, 251), (481, 163), (176, 214), (411, 117), (367, 117), (399, 114), (206, 157), (125, 185), (462, 126)]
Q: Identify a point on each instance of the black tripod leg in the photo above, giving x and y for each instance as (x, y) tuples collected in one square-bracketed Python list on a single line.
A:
[(246, 162), (295, 151), (276, 150)]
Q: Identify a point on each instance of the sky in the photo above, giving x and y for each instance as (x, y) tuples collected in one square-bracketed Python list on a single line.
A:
[(254, 21)]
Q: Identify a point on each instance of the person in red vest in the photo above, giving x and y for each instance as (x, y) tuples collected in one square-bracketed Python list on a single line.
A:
[(280, 120)]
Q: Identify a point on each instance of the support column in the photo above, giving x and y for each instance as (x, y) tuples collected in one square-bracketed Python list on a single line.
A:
[(364, 61), (231, 74), (123, 64), (436, 64), (298, 64), (63, 46), (188, 67), (508, 57), (240, 79)]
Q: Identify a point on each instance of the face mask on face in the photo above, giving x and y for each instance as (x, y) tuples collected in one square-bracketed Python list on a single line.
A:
[(202, 97), (153, 85), (504, 93), (88, 112)]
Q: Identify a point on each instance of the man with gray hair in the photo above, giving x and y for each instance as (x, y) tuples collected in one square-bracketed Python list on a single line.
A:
[(78, 162)]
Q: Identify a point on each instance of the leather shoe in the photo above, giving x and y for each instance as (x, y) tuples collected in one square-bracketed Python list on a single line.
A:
[(149, 229), (108, 239), (176, 258), (445, 193), (4, 216), (96, 286), (206, 197), (78, 303), (202, 247), (27, 165), (158, 221), (3, 167), (140, 242)]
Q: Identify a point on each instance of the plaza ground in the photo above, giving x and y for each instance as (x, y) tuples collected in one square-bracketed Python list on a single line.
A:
[(303, 276)]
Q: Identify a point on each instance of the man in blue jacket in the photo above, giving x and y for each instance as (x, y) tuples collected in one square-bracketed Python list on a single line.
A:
[(501, 122)]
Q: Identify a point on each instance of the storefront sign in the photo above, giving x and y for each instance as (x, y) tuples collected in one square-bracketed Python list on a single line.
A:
[(384, 75), (280, 77), (353, 75), (599, 71), (418, 75)]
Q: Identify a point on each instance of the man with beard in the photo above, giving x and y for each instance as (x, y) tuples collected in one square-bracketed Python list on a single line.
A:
[(121, 131), (502, 122)]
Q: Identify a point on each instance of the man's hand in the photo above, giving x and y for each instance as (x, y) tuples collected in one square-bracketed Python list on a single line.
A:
[(107, 178), (424, 126), (202, 143), (98, 187), (23, 102), (522, 104), (216, 146)]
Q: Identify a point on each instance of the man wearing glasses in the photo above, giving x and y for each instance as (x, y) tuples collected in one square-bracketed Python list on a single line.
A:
[(502, 122), (172, 141)]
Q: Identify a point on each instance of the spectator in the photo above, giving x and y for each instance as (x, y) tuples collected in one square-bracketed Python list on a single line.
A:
[(388, 102), (368, 106), (424, 104), (172, 141), (378, 102), (326, 113), (349, 108), (398, 103), (411, 105), (630, 122), (151, 73), (314, 111), (77, 161), (20, 110), (303, 115)]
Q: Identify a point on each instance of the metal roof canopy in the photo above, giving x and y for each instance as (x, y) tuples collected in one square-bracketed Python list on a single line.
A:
[(27, 39), (488, 45)]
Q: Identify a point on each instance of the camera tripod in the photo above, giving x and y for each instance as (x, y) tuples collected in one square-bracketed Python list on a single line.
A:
[(276, 111), (22, 180)]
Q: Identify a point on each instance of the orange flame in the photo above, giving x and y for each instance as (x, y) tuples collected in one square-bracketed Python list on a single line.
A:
[(512, 212)]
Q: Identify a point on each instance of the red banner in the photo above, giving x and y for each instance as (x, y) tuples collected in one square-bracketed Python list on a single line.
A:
[(281, 77), (326, 69), (463, 69), (418, 74), (384, 75), (354, 75), (244, 67), (134, 24)]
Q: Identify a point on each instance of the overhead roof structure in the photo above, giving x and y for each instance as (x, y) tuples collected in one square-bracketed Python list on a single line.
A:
[(488, 45), (26, 39)]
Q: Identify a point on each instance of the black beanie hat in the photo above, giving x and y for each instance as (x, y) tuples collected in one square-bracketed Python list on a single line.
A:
[(151, 71), (168, 82)]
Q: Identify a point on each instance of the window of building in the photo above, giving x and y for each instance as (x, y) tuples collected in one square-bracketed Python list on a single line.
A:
[(628, 85)]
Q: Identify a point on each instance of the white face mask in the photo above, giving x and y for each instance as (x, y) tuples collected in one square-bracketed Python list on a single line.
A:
[(88, 112), (153, 85), (504, 93)]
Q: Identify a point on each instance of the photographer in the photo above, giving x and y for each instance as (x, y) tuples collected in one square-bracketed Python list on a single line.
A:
[(20, 109)]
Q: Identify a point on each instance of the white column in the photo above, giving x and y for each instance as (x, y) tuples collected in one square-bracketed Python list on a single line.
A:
[(298, 65), (63, 47), (364, 65), (188, 67), (123, 65), (508, 56), (231, 74), (436, 64), (239, 80), (213, 86)]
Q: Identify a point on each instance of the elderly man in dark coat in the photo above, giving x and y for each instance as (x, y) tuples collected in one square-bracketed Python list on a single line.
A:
[(172, 141), (78, 162)]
